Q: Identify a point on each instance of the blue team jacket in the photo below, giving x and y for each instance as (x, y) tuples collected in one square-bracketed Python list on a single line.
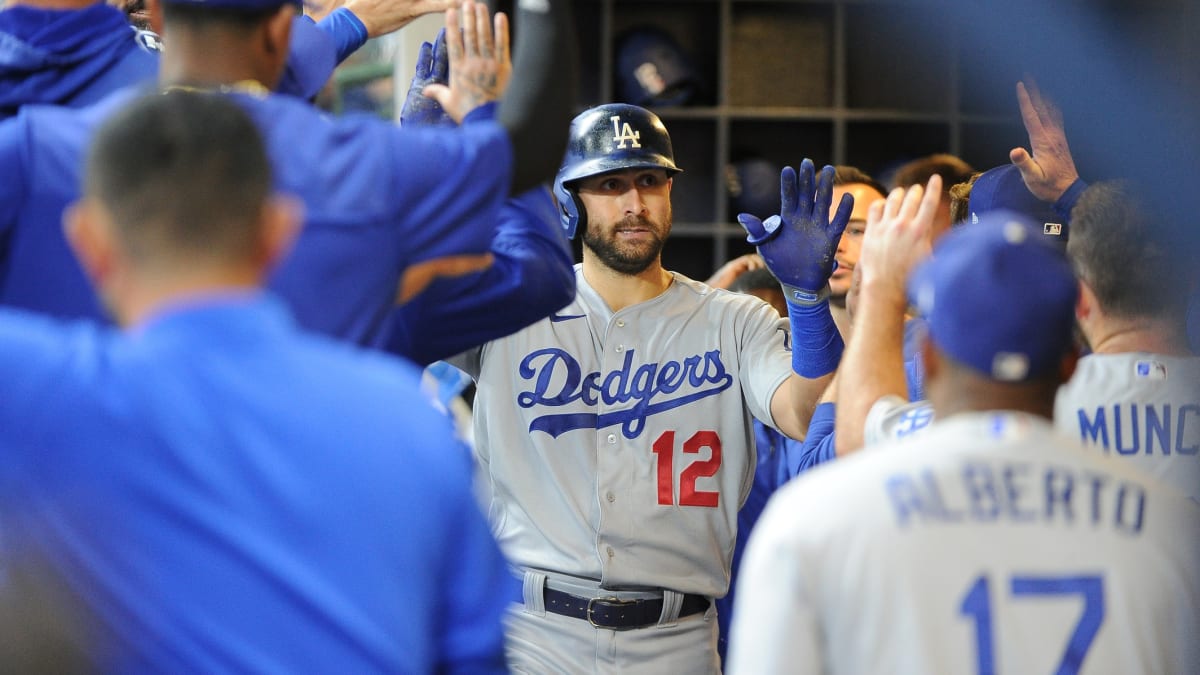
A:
[(68, 57), (75, 57), (377, 200), (225, 493)]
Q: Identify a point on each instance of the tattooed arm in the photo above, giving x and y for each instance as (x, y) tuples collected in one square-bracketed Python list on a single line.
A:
[(480, 60), (537, 109)]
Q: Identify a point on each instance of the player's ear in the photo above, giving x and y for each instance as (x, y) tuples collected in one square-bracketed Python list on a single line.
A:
[(154, 10), (1085, 304), (88, 229), (278, 32), (280, 223)]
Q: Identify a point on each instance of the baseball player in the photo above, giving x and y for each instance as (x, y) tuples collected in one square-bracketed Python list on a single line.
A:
[(615, 434), (1041, 182), (992, 543), (1136, 396), (221, 491), (387, 210)]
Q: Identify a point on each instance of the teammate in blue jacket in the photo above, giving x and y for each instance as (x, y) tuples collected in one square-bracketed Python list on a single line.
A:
[(220, 491), (76, 52), (387, 210), (67, 56), (531, 272)]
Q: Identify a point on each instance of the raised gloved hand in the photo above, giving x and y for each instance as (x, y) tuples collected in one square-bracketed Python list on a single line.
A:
[(433, 67), (799, 244)]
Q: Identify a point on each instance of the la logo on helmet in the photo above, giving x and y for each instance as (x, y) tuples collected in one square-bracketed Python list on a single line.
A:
[(623, 133)]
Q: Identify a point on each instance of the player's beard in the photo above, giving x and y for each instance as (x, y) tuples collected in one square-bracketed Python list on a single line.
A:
[(627, 257)]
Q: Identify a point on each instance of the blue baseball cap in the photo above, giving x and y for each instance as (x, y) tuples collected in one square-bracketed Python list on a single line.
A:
[(998, 297), (1003, 188)]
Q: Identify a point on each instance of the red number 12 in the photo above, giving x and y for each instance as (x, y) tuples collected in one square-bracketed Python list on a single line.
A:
[(664, 447)]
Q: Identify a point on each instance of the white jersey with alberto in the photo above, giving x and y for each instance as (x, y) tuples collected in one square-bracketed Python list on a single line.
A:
[(619, 446), (1141, 408), (990, 543)]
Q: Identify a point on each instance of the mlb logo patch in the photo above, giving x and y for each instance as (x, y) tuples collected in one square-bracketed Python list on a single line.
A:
[(1151, 370), (1052, 229)]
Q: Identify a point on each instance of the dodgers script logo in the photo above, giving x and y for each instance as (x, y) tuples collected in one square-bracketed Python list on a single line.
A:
[(559, 380), (623, 133)]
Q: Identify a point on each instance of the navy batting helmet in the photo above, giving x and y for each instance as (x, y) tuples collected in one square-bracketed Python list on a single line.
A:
[(609, 138), (652, 69)]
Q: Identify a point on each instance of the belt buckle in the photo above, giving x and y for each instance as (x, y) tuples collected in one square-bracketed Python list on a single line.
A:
[(612, 600)]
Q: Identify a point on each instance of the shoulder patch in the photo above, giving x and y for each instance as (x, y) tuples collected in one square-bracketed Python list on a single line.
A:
[(148, 40), (1150, 370)]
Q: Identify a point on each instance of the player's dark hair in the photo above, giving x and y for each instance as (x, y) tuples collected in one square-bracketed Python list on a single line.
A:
[(952, 169), (754, 280), (845, 175), (200, 17), (182, 173), (1127, 255)]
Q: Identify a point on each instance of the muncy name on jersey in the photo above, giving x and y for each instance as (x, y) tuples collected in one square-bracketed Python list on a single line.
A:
[(558, 380), (1122, 430)]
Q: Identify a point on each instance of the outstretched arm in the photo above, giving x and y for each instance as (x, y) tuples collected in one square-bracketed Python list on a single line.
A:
[(730, 271), (798, 246), (531, 273), (536, 109), (530, 277), (898, 236), (342, 26)]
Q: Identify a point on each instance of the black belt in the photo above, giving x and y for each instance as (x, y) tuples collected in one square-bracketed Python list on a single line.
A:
[(617, 614)]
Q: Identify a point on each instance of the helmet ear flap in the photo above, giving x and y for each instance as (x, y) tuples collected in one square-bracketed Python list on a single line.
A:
[(571, 212), (611, 137)]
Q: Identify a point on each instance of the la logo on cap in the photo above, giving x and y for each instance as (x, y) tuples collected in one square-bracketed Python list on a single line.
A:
[(623, 132)]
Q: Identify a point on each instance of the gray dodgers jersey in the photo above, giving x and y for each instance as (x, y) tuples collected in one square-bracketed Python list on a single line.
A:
[(619, 446), (1142, 408), (990, 543)]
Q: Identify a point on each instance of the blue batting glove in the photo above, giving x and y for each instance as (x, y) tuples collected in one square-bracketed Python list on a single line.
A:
[(433, 67), (800, 243)]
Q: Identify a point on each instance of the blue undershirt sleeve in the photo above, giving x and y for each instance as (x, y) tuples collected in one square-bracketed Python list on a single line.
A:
[(346, 30), (818, 445), (1067, 200)]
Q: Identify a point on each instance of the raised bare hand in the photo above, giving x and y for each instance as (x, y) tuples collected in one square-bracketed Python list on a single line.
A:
[(1049, 170), (480, 60)]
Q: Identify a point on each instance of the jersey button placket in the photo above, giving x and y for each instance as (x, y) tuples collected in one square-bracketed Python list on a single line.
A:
[(611, 462)]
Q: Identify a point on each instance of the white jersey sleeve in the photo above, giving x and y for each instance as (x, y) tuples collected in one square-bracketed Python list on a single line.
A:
[(892, 418)]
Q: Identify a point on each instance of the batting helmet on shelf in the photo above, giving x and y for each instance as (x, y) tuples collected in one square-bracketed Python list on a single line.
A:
[(607, 138), (753, 187), (653, 70)]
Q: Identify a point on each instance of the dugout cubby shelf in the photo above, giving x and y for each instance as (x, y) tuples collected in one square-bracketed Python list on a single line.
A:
[(863, 82)]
